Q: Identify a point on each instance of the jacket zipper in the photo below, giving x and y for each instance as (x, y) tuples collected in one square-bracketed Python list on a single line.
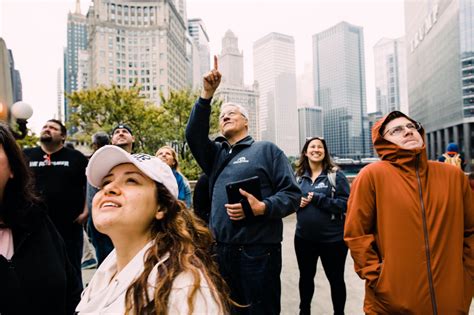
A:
[(427, 244)]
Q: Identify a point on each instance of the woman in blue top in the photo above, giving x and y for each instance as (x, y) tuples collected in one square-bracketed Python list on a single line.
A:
[(168, 155), (320, 223)]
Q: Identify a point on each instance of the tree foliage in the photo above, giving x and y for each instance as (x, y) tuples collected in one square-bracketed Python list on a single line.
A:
[(176, 109), (102, 108)]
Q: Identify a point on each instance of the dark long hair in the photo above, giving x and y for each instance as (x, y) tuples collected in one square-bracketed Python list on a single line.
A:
[(19, 194), (189, 243), (303, 164)]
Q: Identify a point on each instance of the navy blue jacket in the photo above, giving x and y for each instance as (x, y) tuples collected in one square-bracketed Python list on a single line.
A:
[(322, 220), (280, 191)]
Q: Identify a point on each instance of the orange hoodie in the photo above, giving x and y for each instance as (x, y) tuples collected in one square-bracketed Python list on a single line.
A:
[(410, 230)]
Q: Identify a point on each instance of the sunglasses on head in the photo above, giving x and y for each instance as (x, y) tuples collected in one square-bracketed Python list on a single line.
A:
[(308, 139)]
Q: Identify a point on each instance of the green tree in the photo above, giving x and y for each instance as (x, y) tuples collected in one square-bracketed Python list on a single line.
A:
[(175, 110), (102, 108)]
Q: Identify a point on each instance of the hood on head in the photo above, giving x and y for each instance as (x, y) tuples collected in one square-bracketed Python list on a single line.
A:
[(386, 149)]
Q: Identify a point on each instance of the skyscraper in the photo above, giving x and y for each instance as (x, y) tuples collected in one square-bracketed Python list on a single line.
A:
[(76, 40), (138, 42), (440, 64), (274, 70), (339, 88), (231, 61), (197, 30), (310, 123), (390, 75), (7, 90), (232, 88)]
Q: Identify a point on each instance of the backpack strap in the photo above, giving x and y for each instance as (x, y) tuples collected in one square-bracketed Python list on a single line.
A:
[(332, 173), (332, 182)]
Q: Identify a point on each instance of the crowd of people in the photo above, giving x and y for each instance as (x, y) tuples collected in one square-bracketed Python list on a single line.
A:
[(407, 222)]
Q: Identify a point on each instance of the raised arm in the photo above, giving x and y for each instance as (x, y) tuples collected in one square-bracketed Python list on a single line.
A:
[(197, 129)]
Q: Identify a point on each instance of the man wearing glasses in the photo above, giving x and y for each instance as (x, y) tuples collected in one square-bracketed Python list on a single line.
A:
[(410, 226), (248, 233)]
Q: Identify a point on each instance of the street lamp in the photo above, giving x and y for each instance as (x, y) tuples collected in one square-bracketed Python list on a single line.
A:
[(21, 112)]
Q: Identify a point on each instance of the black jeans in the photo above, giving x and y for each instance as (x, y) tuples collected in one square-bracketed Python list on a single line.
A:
[(253, 275), (333, 257)]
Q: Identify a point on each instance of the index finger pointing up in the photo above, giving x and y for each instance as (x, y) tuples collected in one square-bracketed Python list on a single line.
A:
[(215, 62)]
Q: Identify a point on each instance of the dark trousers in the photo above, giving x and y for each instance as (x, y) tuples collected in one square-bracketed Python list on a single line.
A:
[(333, 257), (253, 275), (74, 243), (101, 242)]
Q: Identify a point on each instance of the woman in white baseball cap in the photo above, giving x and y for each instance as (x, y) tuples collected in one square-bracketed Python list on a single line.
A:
[(161, 263)]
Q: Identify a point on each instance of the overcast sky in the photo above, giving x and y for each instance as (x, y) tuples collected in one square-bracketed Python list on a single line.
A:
[(36, 32)]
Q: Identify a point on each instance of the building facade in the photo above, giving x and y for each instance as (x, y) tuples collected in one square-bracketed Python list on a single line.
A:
[(10, 82), (137, 43), (274, 70), (232, 88), (310, 122), (76, 41), (390, 75), (339, 88), (197, 31), (440, 72)]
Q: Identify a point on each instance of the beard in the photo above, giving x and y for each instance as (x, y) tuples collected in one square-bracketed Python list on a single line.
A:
[(46, 138)]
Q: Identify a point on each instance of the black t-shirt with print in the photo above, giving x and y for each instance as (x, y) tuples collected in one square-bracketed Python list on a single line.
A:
[(60, 179)]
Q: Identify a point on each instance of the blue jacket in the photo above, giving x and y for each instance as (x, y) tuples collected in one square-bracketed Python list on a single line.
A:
[(322, 220), (280, 191), (184, 191)]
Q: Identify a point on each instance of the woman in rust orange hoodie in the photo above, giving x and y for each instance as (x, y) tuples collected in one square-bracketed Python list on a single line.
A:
[(410, 227)]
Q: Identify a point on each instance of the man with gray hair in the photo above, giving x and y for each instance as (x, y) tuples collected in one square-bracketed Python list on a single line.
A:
[(248, 233)]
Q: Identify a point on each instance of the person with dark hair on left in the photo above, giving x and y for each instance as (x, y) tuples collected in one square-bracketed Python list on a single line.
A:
[(61, 181), (36, 276)]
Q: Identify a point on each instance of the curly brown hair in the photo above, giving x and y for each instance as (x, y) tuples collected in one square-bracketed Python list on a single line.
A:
[(189, 244)]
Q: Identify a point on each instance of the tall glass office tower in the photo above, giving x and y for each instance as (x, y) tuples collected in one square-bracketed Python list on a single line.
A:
[(390, 75), (339, 88), (440, 65), (274, 70), (76, 42)]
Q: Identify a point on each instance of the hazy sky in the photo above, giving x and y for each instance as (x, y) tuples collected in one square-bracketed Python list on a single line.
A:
[(36, 32)]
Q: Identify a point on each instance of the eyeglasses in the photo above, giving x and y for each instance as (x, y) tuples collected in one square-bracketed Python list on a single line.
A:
[(230, 114), (398, 130)]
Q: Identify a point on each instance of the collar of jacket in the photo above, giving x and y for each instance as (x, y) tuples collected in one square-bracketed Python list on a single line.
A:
[(308, 175), (247, 141), (105, 289), (406, 160)]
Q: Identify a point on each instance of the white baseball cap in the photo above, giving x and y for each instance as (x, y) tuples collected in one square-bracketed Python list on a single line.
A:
[(110, 156)]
